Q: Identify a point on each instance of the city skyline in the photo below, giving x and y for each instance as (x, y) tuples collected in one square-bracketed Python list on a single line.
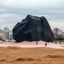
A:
[(50, 23)]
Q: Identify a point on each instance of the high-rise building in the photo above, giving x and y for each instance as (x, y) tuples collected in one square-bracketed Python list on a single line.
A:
[(7, 31)]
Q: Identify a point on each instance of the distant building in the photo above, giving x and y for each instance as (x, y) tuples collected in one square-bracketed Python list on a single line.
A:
[(6, 31), (10, 36), (1, 36), (4, 35), (58, 33)]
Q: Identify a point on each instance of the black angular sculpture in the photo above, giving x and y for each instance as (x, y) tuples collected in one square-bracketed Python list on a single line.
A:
[(33, 28)]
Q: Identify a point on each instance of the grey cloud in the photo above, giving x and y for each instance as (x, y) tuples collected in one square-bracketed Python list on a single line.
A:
[(52, 13)]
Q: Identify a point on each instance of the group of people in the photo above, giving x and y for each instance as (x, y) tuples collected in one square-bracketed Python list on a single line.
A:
[(45, 43)]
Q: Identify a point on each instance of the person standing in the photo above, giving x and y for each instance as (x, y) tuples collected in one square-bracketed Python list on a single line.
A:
[(36, 42), (45, 44)]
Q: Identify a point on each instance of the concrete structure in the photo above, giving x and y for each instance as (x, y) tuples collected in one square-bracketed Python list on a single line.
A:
[(4, 35)]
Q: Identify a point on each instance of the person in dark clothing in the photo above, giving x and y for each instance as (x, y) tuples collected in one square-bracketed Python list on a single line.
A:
[(45, 44), (36, 42)]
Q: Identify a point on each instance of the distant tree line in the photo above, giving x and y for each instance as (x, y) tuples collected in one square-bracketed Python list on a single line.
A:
[(58, 34)]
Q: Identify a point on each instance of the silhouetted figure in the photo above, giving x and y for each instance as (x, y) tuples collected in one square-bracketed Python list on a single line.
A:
[(45, 44), (36, 42)]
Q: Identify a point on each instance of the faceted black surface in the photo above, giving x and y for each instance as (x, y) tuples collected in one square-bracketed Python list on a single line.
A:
[(33, 28)]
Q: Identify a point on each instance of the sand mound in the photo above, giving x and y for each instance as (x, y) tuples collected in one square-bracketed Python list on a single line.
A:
[(27, 59), (55, 56)]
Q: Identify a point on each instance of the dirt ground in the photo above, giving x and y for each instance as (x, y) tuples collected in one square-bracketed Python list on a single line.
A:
[(40, 55)]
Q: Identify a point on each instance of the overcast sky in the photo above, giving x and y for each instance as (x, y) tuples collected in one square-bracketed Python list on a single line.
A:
[(13, 11)]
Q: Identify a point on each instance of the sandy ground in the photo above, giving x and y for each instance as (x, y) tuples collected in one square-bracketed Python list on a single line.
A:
[(39, 55), (31, 53)]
